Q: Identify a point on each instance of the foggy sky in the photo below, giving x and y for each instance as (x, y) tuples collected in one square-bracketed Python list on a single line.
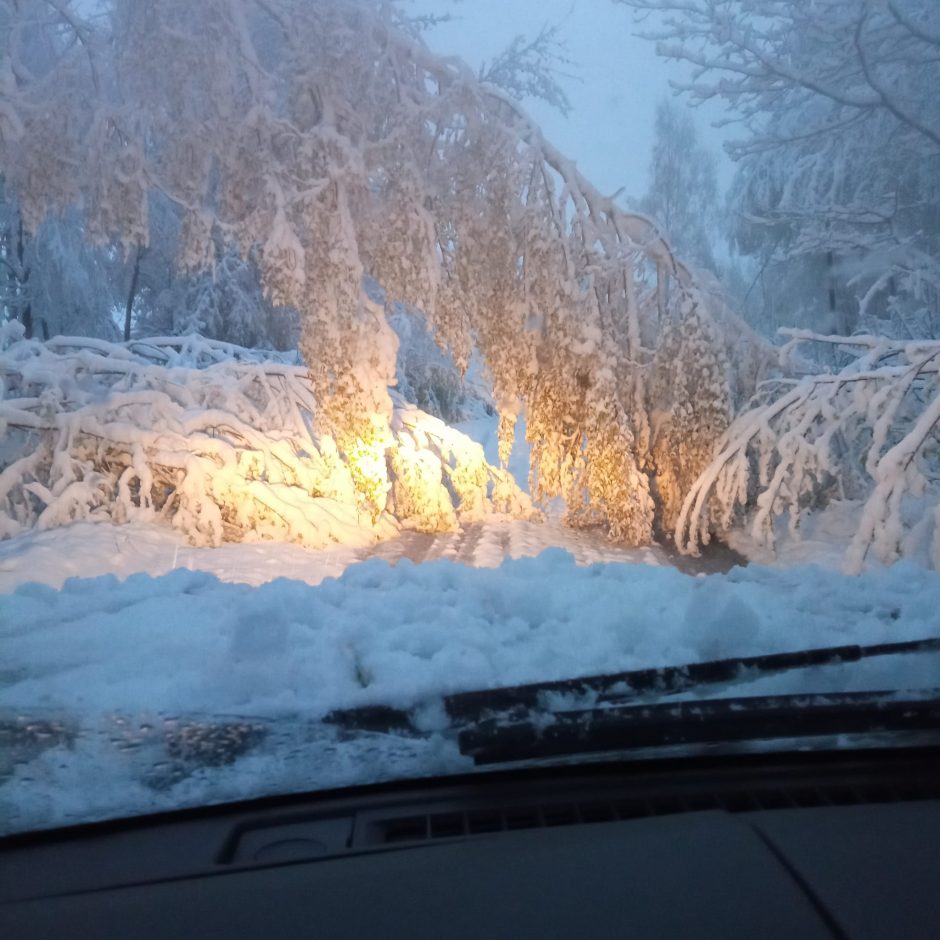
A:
[(619, 80)]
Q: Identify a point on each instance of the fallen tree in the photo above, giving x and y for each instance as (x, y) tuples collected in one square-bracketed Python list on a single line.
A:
[(217, 441)]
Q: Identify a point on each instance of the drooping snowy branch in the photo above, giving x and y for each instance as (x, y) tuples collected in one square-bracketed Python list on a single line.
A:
[(868, 432), (215, 440), (529, 68), (330, 145)]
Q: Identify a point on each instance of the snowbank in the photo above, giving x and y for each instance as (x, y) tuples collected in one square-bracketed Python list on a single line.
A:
[(117, 659), (381, 633)]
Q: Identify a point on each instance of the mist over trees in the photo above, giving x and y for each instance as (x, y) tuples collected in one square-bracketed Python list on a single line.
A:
[(836, 200)]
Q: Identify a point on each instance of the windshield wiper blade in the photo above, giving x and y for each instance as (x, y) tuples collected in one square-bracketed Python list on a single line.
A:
[(719, 721), (672, 680), (467, 707)]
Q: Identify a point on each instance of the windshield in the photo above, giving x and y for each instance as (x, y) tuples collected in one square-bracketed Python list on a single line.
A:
[(395, 389)]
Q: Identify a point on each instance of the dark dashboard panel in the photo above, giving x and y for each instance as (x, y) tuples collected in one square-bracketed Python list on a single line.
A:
[(560, 852), (701, 875), (875, 868)]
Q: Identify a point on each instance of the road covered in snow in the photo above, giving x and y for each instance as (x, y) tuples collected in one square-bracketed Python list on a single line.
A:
[(86, 550), (187, 641)]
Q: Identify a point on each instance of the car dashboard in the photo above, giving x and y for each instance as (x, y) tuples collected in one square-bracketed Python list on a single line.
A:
[(802, 845)]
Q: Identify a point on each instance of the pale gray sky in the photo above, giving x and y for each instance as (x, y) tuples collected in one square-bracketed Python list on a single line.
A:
[(609, 132)]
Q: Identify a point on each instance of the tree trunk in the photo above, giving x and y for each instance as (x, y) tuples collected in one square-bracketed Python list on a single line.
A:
[(132, 293), (25, 312)]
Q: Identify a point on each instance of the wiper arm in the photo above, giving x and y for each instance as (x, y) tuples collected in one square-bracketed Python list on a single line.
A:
[(464, 708), (624, 729)]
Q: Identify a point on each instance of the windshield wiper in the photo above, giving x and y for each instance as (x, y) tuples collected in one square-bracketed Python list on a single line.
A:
[(515, 702), (638, 727)]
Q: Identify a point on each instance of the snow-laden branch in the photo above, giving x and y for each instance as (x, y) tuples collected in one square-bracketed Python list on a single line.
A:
[(868, 432), (333, 147), (216, 441), (640, 231)]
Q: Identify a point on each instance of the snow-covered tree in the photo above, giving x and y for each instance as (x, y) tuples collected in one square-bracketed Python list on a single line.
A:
[(840, 151), (683, 189), (225, 302), (329, 145), (51, 280)]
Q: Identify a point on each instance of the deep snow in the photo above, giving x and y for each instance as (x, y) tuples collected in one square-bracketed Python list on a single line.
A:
[(187, 642), (115, 660)]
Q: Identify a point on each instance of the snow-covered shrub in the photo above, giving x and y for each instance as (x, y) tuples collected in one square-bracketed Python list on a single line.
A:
[(418, 492), (219, 442), (868, 432)]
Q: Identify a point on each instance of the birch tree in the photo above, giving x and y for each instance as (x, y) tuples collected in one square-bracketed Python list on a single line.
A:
[(329, 144)]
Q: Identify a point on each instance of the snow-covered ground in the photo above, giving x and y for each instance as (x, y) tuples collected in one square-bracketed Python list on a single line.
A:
[(395, 634), (89, 550)]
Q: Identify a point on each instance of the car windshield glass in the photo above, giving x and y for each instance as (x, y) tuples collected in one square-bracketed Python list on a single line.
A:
[(397, 388)]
